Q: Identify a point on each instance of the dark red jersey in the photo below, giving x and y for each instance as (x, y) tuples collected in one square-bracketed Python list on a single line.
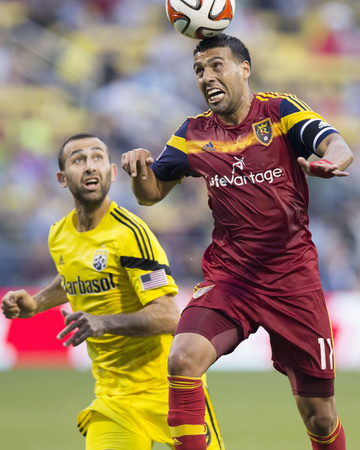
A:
[(257, 192)]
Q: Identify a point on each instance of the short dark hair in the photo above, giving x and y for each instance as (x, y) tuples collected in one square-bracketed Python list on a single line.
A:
[(75, 137), (237, 47)]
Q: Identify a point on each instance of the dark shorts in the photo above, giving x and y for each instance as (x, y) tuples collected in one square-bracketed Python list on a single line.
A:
[(299, 328)]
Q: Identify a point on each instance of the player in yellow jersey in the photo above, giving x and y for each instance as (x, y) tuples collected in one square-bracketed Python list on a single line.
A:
[(116, 276)]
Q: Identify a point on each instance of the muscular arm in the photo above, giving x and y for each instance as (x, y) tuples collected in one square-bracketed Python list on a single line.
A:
[(21, 304), (147, 189), (337, 155), (158, 317)]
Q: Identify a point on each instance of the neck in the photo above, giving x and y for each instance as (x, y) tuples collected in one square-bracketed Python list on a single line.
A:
[(238, 116), (89, 215)]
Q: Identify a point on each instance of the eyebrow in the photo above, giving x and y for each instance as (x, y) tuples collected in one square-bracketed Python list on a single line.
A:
[(79, 150), (214, 58)]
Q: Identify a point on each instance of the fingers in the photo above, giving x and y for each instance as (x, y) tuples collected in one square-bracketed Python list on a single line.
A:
[(136, 162), (302, 161), (339, 173), (64, 312), (9, 305), (87, 325), (72, 321), (303, 164), (321, 168), (325, 169), (64, 333), (77, 338)]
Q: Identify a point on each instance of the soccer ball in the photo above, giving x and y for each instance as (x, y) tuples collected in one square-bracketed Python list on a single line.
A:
[(199, 19)]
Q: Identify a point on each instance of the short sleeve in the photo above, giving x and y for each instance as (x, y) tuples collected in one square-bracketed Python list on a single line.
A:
[(145, 261), (304, 128), (173, 162)]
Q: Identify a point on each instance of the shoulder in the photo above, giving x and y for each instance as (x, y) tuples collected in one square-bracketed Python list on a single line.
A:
[(123, 215), (135, 239), (285, 103), (128, 224), (62, 224), (194, 122)]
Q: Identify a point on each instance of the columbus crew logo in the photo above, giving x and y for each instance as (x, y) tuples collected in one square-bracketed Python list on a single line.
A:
[(263, 131), (100, 260)]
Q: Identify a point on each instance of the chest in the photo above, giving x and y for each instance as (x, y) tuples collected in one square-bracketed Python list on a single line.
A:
[(228, 161), (90, 256), (259, 144)]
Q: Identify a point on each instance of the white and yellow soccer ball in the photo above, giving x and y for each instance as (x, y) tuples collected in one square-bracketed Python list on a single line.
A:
[(199, 19)]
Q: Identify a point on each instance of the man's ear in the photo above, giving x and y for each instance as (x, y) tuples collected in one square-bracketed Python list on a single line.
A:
[(113, 172), (60, 176), (246, 69)]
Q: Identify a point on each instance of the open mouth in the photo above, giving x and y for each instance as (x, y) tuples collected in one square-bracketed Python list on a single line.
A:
[(91, 183), (215, 95)]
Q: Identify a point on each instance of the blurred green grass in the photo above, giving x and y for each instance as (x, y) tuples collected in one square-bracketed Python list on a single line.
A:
[(256, 411)]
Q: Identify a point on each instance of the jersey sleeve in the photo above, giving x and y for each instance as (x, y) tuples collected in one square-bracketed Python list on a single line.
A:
[(145, 261), (55, 239), (173, 164), (304, 128)]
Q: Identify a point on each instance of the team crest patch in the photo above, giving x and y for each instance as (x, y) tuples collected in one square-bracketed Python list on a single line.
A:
[(263, 131), (100, 260), (201, 291)]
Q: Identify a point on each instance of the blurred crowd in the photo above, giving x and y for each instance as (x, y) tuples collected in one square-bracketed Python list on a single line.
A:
[(118, 69)]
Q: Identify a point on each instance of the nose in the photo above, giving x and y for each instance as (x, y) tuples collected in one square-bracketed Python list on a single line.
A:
[(208, 75), (89, 165)]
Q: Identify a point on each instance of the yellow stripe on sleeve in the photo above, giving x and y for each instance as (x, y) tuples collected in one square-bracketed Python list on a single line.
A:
[(178, 142), (187, 430), (298, 103), (289, 121)]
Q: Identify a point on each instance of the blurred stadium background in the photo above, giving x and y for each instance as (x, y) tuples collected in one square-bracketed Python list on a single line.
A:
[(117, 68)]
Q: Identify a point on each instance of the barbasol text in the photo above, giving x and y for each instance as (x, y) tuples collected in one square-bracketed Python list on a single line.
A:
[(85, 287)]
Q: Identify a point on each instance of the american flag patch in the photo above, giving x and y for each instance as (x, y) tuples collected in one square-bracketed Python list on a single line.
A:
[(153, 279)]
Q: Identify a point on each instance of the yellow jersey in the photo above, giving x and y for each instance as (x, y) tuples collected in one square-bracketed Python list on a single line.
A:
[(118, 267)]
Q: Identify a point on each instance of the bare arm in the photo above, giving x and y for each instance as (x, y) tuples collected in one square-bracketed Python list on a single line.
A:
[(336, 156), (147, 189), (21, 304), (158, 317)]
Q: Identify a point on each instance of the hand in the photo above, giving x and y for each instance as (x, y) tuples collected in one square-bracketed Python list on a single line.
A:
[(18, 304), (88, 326), (321, 168), (137, 161)]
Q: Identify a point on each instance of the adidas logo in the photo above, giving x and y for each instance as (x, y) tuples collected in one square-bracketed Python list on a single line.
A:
[(209, 147), (61, 261)]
